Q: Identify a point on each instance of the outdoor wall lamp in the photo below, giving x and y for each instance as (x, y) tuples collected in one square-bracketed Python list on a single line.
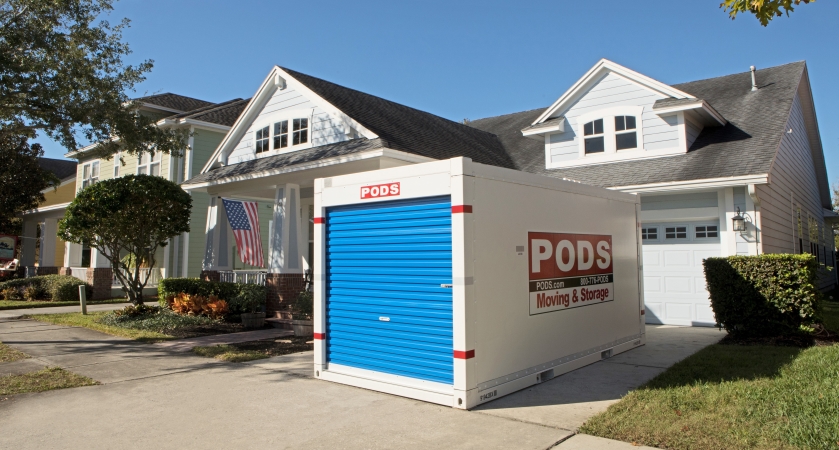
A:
[(739, 222)]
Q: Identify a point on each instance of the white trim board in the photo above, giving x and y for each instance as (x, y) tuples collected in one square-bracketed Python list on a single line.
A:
[(707, 183)]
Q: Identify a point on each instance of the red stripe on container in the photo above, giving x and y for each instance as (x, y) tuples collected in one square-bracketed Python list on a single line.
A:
[(643, 312), (320, 220), (320, 336), (461, 209), (459, 354)]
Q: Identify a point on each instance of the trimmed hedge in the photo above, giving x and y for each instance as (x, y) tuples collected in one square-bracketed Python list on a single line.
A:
[(240, 297), (58, 288), (765, 295)]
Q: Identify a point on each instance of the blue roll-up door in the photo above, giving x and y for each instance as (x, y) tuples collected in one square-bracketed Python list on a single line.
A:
[(385, 307)]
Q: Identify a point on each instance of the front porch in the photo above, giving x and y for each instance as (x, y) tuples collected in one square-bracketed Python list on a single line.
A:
[(283, 188)]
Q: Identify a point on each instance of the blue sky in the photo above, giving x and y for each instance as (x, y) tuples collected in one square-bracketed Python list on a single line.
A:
[(470, 60)]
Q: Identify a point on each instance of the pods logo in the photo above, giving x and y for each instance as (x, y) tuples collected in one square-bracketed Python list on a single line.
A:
[(380, 190)]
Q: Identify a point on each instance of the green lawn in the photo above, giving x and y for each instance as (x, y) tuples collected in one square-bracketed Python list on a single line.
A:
[(229, 353), (43, 380), (735, 397), (21, 304), (89, 321), (8, 354)]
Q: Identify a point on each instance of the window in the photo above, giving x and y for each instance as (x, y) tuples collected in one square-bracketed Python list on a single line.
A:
[(262, 140), (676, 233), (116, 165), (706, 231), (301, 131), (625, 135), (594, 143), (281, 134), (649, 233), (90, 173), (149, 164)]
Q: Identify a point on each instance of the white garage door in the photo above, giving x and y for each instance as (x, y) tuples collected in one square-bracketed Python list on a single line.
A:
[(674, 282)]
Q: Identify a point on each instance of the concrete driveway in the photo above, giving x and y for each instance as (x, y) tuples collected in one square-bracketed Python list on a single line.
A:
[(151, 398)]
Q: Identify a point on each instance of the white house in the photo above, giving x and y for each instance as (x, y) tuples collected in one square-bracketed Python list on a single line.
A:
[(698, 153)]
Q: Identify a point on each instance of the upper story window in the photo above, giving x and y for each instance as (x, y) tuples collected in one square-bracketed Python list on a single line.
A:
[(116, 165), (149, 164), (593, 132), (625, 135), (90, 173), (301, 131), (281, 134), (262, 139)]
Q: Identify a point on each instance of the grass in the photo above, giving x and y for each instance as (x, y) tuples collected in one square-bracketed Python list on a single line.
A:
[(22, 304), (735, 397), (90, 321), (43, 380), (229, 353), (8, 354)]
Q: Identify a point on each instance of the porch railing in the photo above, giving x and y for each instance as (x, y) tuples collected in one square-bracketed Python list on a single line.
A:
[(30, 271), (79, 272), (154, 276), (243, 276)]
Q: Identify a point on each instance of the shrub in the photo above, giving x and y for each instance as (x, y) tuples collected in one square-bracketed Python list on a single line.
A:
[(197, 305), (250, 298), (10, 293), (153, 318), (58, 288), (763, 295), (304, 307), (240, 297)]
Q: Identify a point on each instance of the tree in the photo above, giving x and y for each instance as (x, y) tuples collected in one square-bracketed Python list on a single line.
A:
[(62, 74), (127, 220), (764, 10), (22, 179)]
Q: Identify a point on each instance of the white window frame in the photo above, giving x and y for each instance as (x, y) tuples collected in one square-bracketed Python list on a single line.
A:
[(116, 165), (609, 140), (151, 162), (89, 179), (307, 114), (645, 230)]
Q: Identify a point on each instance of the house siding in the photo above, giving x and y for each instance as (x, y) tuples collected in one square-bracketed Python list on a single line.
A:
[(792, 185), (614, 90), (324, 128)]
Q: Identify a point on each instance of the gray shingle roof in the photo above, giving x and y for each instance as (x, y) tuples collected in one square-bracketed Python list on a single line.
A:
[(408, 129), (62, 168), (746, 145), (224, 113), (287, 159), (175, 101)]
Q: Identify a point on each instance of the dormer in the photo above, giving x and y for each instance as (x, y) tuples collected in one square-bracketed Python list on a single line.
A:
[(614, 114)]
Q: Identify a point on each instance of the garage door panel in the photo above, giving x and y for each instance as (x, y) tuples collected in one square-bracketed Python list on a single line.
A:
[(676, 258), (388, 294), (674, 283)]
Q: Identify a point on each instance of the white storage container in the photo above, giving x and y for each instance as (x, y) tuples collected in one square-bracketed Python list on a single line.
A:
[(457, 283)]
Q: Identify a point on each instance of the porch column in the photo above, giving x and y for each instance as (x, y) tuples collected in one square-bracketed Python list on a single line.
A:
[(285, 262), (27, 245), (100, 275), (72, 254), (215, 248), (49, 238)]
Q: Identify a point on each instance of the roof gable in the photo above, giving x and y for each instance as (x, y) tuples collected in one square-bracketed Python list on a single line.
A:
[(597, 73)]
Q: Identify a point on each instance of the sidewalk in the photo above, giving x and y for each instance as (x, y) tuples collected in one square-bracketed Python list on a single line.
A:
[(185, 345), (11, 314)]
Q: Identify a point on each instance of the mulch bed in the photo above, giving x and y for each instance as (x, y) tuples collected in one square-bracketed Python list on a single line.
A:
[(278, 346)]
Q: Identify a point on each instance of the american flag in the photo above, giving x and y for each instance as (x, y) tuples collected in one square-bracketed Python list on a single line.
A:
[(244, 220)]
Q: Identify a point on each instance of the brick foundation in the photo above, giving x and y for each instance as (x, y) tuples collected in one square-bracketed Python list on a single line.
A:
[(282, 291), (210, 275), (101, 278), (65, 271), (47, 271)]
